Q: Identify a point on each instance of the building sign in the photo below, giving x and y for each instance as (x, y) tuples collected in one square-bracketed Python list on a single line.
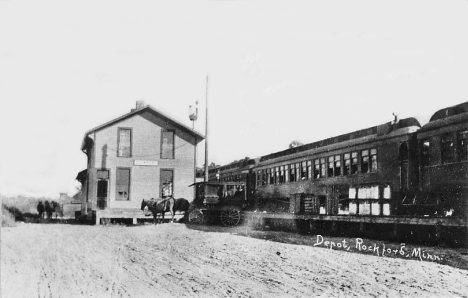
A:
[(145, 162)]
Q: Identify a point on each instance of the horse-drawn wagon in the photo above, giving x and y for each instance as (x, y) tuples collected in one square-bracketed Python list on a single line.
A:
[(218, 202)]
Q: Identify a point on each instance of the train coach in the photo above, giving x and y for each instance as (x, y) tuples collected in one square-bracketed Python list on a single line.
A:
[(395, 180)]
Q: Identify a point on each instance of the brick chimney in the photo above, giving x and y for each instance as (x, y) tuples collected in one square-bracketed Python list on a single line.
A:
[(140, 104)]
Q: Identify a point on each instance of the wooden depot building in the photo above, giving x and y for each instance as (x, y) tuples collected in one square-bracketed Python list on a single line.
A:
[(143, 154)]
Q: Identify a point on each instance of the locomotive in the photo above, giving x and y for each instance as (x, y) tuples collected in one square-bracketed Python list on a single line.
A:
[(398, 178)]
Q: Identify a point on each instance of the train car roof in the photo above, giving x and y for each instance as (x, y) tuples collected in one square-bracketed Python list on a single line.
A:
[(386, 129), (453, 115), (450, 111)]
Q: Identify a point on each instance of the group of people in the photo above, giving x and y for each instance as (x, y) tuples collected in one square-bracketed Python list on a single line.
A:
[(46, 209)]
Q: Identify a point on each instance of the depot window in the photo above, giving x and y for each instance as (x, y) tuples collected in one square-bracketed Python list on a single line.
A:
[(264, 177), (277, 175), (124, 142), (463, 144), (167, 144), (272, 176), (122, 184), (309, 169), (447, 152)]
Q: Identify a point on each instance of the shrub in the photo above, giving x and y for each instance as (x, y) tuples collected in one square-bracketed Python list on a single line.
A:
[(8, 219)]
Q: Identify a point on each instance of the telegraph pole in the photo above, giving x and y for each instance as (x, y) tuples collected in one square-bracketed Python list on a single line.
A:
[(206, 133)]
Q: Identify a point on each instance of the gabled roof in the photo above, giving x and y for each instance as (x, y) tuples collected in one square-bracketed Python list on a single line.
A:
[(152, 110)]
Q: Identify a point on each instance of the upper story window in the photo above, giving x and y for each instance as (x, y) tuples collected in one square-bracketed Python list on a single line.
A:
[(167, 144), (124, 142), (447, 151), (425, 150), (463, 144)]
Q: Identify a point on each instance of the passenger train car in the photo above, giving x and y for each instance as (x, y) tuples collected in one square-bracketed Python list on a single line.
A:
[(397, 179)]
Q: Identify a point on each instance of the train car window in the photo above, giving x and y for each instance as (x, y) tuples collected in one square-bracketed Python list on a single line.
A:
[(316, 169), (304, 171), (323, 168), (322, 205), (281, 177), (365, 161), (259, 178), (272, 176), (298, 171), (373, 160), (337, 165), (447, 152), (264, 177), (343, 205), (286, 173), (292, 172), (386, 192), (463, 145), (425, 150), (277, 175), (309, 169), (331, 163), (354, 162), (347, 164)]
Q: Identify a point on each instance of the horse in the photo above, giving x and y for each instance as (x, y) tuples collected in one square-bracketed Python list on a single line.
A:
[(158, 206), (40, 209), (181, 205), (57, 208)]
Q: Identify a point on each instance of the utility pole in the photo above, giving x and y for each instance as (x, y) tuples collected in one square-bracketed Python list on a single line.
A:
[(206, 133)]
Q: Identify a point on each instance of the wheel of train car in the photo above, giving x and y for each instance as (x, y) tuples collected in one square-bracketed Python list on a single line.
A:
[(196, 217), (230, 217)]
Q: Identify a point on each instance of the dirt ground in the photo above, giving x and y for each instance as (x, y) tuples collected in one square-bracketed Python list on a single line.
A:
[(175, 260)]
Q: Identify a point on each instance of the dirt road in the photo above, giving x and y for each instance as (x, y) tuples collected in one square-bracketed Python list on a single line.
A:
[(173, 260)]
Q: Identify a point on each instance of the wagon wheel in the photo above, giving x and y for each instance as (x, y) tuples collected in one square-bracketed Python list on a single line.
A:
[(196, 217), (230, 217)]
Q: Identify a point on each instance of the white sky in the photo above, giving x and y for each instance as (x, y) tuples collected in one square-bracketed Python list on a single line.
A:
[(278, 70)]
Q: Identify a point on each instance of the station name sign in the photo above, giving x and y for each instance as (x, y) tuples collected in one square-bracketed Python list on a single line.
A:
[(139, 162)]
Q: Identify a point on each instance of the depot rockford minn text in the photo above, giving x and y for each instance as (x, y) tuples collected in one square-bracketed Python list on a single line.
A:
[(380, 250)]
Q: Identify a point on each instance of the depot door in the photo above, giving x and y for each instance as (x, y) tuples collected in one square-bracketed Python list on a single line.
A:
[(102, 188)]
